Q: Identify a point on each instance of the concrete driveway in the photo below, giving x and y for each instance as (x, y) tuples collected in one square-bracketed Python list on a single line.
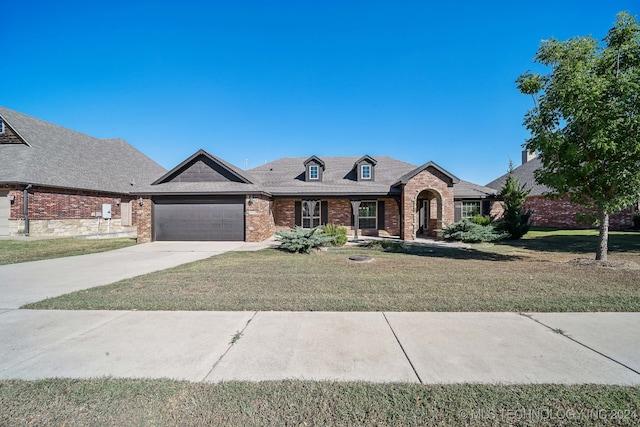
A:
[(28, 282)]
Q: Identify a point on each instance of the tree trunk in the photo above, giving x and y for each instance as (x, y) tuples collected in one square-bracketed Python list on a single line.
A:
[(603, 237)]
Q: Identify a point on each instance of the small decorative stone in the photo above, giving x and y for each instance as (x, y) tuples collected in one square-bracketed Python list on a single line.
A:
[(360, 258)]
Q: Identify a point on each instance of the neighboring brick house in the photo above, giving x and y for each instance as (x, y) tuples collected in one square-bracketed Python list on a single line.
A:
[(555, 212), (206, 198), (66, 178)]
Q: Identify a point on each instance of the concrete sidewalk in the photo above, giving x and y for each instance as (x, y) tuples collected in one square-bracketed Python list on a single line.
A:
[(34, 281), (601, 348)]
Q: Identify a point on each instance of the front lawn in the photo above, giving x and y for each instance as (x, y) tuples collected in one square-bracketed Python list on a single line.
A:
[(505, 277), (14, 251), (118, 402)]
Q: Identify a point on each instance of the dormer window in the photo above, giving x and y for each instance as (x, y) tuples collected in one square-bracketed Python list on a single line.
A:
[(313, 172), (1, 126), (314, 166), (364, 168), (365, 172)]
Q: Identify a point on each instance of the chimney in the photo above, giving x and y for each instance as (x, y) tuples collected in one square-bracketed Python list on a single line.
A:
[(527, 156)]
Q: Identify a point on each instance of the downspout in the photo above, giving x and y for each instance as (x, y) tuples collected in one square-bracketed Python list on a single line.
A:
[(25, 205)]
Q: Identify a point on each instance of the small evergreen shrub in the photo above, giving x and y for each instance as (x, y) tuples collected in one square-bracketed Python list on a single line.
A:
[(515, 219), (636, 220), (467, 231), (303, 240), (481, 219), (385, 245), (339, 234)]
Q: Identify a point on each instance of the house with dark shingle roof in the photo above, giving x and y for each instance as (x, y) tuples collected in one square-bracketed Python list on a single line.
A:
[(553, 211), (58, 182), (206, 198)]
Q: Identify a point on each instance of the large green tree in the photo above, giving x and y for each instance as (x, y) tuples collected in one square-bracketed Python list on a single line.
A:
[(585, 123)]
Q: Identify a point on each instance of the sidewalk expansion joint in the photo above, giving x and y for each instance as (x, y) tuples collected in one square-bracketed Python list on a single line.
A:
[(231, 344), (580, 343), (402, 348)]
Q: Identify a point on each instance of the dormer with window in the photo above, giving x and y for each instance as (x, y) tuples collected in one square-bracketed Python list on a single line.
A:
[(314, 169), (365, 168)]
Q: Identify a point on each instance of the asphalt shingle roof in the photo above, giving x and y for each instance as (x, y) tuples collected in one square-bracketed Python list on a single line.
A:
[(525, 173), (285, 176), (60, 157)]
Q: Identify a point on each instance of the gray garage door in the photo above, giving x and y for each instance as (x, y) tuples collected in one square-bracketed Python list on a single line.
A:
[(199, 219)]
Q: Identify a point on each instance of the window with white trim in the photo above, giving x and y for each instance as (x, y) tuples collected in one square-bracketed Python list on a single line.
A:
[(367, 215), (365, 172), (470, 209), (313, 172), (309, 219)]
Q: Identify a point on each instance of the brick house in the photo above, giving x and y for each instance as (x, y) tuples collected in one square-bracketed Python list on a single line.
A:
[(206, 198), (58, 182), (555, 212)]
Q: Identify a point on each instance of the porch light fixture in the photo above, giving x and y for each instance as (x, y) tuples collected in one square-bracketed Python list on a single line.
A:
[(141, 201), (250, 199)]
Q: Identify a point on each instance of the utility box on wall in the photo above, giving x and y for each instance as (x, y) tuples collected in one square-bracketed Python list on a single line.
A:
[(106, 211)]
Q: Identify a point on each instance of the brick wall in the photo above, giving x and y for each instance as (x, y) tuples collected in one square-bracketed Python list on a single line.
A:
[(259, 220), (62, 212), (428, 179), (143, 219), (339, 214), (284, 213), (48, 203), (561, 213)]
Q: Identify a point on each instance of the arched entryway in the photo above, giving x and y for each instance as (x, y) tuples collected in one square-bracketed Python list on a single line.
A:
[(428, 212)]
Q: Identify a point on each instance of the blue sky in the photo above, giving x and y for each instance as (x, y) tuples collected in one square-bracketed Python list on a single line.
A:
[(253, 81)]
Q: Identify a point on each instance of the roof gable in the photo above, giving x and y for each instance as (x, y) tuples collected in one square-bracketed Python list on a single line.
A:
[(8, 135), (204, 167), (525, 173), (443, 174), (366, 158), (316, 160), (55, 156)]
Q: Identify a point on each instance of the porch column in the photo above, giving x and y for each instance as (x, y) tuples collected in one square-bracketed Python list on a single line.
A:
[(355, 205)]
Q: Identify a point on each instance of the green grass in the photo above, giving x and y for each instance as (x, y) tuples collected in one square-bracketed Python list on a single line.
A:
[(575, 241), (117, 402), (506, 277), (14, 251)]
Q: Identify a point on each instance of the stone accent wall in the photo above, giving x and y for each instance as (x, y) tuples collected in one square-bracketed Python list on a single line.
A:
[(143, 219), (426, 180), (259, 221), (69, 227), (561, 213)]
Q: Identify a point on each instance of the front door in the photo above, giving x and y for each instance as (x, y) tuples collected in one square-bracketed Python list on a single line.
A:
[(423, 215)]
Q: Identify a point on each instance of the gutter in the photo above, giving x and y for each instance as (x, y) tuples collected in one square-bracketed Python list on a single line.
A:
[(25, 210)]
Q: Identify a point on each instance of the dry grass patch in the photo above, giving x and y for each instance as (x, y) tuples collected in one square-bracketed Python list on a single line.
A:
[(117, 402), (488, 278), (15, 251)]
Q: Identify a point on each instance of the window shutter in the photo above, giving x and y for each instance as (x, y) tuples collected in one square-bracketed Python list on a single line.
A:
[(486, 207), (324, 212), (380, 214), (457, 211), (298, 213)]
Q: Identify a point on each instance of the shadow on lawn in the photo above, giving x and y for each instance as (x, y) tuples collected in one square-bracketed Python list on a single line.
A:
[(432, 251), (628, 242)]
